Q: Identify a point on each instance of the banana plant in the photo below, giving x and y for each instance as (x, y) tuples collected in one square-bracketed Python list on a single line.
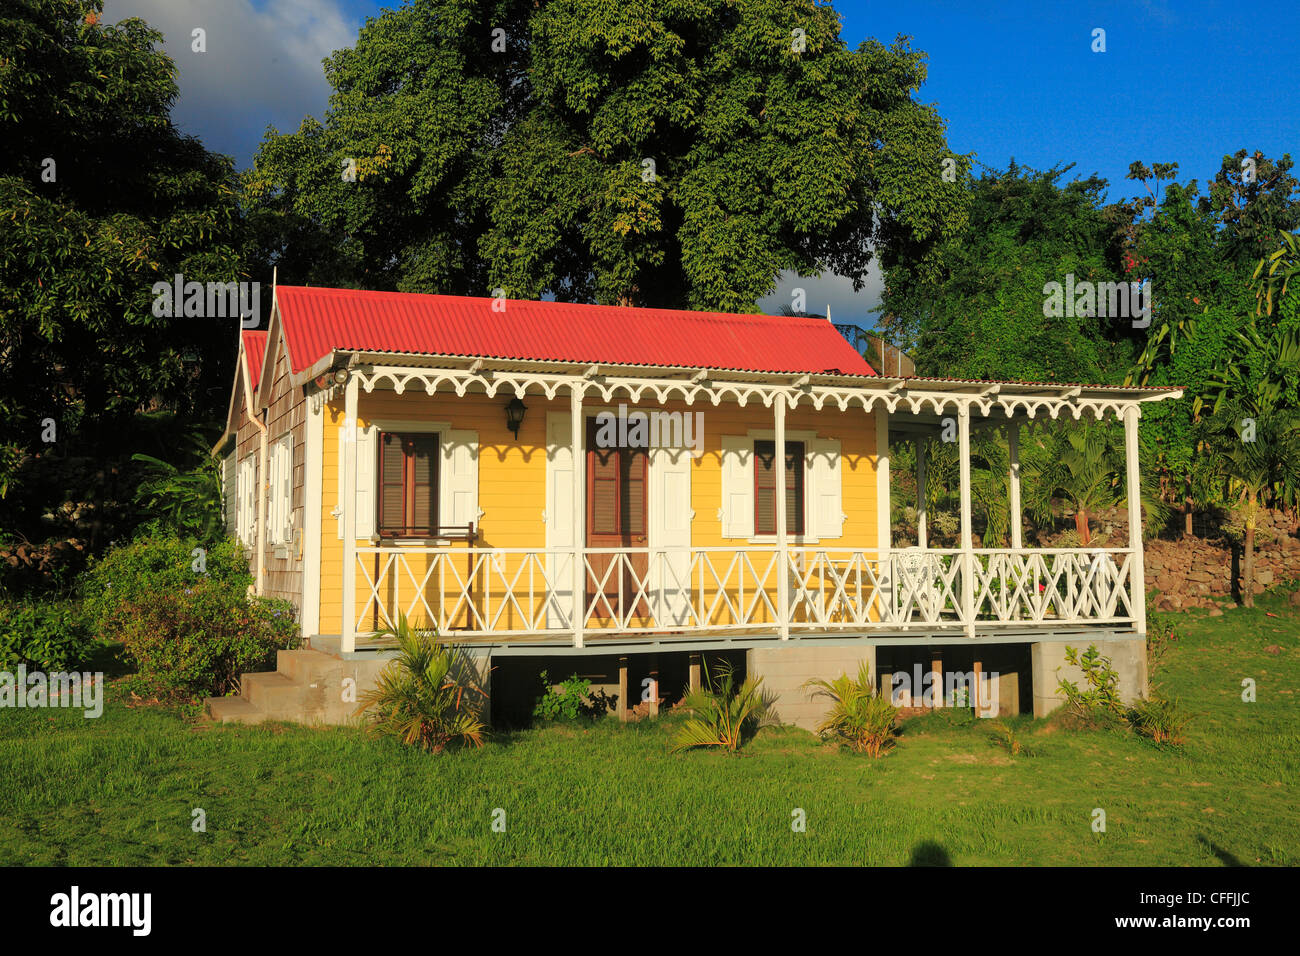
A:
[(1274, 273)]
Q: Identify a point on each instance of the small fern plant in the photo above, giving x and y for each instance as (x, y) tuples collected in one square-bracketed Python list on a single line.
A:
[(723, 714), (428, 697), (859, 717)]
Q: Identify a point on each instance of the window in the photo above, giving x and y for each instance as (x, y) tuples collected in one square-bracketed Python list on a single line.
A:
[(765, 487), (616, 492), (246, 502), (408, 485), (280, 494)]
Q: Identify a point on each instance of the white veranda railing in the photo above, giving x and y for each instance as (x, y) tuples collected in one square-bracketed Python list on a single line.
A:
[(493, 593)]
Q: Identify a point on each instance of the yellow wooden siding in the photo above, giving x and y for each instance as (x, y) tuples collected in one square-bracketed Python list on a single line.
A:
[(512, 478)]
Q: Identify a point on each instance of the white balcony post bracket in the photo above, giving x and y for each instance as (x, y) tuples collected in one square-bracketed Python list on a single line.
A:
[(967, 528), (782, 545), (577, 436), (1133, 489), (348, 436)]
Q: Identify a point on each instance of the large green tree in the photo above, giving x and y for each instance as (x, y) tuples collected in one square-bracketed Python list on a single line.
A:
[(668, 153), (100, 197), (981, 314)]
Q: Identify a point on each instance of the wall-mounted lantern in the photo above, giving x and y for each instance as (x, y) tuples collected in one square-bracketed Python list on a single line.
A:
[(515, 415)]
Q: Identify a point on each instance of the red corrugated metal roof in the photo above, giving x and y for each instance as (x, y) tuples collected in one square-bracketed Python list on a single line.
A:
[(255, 352), (317, 321)]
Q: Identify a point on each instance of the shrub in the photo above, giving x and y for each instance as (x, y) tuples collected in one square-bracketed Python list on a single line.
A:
[(1102, 694), (858, 716), (49, 634), (722, 714), (1008, 738), (198, 641), (158, 564), (1159, 719), (573, 699), (189, 631), (428, 696)]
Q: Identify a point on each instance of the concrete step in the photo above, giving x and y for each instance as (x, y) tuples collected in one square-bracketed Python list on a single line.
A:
[(308, 687), (307, 665), (266, 687), (233, 710)]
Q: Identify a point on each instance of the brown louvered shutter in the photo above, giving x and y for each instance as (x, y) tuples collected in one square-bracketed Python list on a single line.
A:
[(605, 491), (392, 471), (765, 487), (424, 484), (633, 491)]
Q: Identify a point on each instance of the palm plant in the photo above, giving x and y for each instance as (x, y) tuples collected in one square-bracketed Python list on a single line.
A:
[(722, 714), (1271, 460), (1083, 465), (1081, 471), (428, 696), (858, 716)]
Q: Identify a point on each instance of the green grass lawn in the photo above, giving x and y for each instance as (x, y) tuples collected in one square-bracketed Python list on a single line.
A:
[(120, 790)]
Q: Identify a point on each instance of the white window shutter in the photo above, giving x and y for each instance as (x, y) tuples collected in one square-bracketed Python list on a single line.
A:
[(560, 525), (248, 501), (281, 508), (230, 492), (273, 495), (286, 490), (367, 469), (458, 504), (827, 511), (737, 487)]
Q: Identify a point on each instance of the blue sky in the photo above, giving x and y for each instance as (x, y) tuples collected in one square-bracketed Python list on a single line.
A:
[(1179, 81)]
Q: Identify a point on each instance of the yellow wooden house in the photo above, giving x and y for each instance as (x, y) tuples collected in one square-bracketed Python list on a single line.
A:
[(391, 453)]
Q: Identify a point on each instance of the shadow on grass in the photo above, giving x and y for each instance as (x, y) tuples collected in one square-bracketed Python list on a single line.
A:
[(929, 853), (1224, 857)]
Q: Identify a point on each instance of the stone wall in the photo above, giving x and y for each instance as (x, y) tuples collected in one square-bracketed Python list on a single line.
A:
[(1198, 572)]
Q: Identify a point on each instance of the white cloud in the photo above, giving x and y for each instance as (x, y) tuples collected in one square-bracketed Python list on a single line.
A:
[(847, 307), (262, 65)]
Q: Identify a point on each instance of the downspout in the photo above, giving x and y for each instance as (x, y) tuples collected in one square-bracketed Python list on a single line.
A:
[(262, 485)]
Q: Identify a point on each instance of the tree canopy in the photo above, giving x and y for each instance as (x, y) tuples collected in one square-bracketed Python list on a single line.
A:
[(676, 154), (100, 197)]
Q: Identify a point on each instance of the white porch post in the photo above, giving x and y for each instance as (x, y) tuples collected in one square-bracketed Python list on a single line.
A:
[(1133, 489), (577, 438), (1013, 478), (884, 541), (967, 528), (922, 515), (348, 640), (782, 546)]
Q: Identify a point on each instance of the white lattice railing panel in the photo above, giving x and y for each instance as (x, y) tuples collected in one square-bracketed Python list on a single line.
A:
[(505, 593)]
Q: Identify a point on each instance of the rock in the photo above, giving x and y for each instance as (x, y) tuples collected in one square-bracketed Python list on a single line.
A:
[(1264, 577), (1216, 612), (1295, 599)]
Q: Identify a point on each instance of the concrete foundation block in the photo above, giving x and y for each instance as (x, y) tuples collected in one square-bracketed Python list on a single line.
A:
[(785, 671), (1128, 657)]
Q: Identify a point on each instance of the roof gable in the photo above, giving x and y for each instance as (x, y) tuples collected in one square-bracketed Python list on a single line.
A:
[(254, 353)]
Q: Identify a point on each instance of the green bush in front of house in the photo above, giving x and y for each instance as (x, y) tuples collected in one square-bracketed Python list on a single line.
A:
[(186, 618), (48, 633)]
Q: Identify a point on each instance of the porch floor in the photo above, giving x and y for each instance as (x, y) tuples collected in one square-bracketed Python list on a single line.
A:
[(595, 642)]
